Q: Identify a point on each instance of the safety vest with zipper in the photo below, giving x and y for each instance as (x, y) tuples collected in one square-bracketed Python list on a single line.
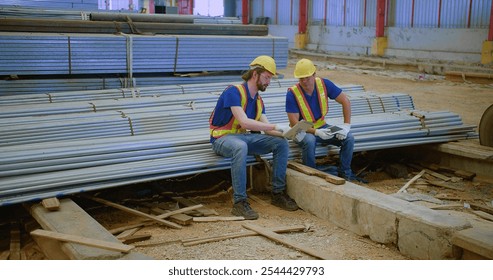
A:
[(304, 106), (233, 126)]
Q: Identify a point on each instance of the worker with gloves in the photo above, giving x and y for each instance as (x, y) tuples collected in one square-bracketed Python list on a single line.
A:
[(309, 100), (239, 127)]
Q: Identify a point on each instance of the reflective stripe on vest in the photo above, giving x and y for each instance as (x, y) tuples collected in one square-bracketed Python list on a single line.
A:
[(233, 125), (305, 109)]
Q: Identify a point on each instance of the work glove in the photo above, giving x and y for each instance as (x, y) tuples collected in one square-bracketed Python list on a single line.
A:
[(300, 136), (324, 133), (342, 134), (281, 127)]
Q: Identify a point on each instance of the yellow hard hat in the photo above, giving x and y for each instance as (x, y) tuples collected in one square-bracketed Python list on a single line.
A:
[(304, 68), (266, 62)]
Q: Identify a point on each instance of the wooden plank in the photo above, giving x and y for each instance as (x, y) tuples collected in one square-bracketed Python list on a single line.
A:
[(217, 219), (465, 174), (410, 182), (438, 175), (202, 240), (136, 238), (204, 211), (483, 215), (447, 206), (314, 172), (4, 255), (135, 212), (182, 219), (82, 240), (127, 233), (483, 208), (443, 185), (15, 243), (51, 204), (286, 241), (182, 210), (124, 228)]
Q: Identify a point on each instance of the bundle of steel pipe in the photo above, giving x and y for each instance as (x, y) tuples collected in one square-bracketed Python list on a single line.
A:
[(16, 87), (69, 147), (60, 168), (128, 27), (121, 54), (161, 18)]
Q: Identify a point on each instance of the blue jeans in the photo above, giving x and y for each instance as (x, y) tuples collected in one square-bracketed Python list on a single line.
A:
[(239, 146), (308, 145)]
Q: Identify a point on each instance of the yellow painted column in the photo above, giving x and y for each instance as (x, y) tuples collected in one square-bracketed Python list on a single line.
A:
[(300, 40), (487, 52), (379, 45)]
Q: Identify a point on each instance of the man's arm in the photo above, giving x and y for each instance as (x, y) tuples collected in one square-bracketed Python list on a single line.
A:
[(250, 124), (294, 119), (346, 107)]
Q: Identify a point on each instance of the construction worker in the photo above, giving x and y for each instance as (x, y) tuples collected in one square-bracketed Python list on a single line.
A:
[(309, 100), (239, 127)]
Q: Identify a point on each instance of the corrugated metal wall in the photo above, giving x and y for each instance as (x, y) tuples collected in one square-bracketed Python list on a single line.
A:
[(359, 13)]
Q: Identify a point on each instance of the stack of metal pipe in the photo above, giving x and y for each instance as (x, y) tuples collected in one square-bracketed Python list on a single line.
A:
[(92, 54), (66, 147)]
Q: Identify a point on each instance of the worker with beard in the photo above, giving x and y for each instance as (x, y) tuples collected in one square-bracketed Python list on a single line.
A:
[(239, 127)]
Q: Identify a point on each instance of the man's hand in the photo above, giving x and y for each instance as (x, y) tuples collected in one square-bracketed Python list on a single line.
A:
[(324, 133), (342, 134), (281, 128)]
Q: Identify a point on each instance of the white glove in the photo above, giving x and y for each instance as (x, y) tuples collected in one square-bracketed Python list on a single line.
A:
[(281, 128), (300, 136), (324, 133), (342, 134)]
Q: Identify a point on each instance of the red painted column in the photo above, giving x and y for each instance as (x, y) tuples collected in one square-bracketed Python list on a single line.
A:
[(244, 11), (151, 7), (380, 18), (303, 17), (490, 33)]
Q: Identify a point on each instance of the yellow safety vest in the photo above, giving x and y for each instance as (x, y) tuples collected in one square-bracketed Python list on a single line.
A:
[(233, 125), (305, 109)]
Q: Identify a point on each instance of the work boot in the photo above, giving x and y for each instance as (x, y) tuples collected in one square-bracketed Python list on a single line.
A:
[(282, 200), (353, 178), (242, 208)]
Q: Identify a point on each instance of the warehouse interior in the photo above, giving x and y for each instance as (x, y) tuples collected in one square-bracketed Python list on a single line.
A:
[(105, 108)]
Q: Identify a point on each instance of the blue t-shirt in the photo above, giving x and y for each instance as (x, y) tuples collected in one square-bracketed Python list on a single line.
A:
[(231, 97), (333, 92)]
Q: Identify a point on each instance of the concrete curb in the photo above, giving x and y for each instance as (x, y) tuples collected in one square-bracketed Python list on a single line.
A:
[(418, 232)]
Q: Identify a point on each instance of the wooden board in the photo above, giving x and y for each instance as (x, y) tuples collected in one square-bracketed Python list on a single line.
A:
[(204, 211), (135, 212), (40, 233), (314, 172), (51, 204), (218, 219), (286, 241), (15, 243), (201, 240)]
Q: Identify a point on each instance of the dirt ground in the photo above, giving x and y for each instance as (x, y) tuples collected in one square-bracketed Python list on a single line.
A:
[(430, 92)]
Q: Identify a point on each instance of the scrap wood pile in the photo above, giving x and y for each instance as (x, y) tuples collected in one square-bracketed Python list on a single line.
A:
[(173, 214), (443, 188)]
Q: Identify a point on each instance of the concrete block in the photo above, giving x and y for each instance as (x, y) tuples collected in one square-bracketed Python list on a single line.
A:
[(476, 240), (427, 235), (419, 232)]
